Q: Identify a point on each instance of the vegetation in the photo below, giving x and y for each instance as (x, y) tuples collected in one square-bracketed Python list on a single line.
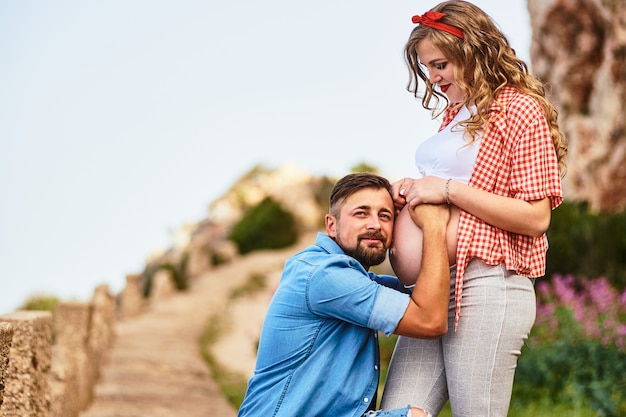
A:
[(576, 354), (232, 384), (265, 226), (587, 244), (386, 343), (177, 272), (217, 258), (256, 283), (365, 167), (40, 303)]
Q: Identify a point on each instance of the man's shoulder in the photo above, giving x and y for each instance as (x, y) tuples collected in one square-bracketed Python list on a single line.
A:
[(324, 250)]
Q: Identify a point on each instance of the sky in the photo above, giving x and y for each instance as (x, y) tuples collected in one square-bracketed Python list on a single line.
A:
[(121, 121)]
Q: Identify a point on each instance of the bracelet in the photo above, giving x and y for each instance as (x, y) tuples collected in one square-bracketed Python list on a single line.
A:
[(448, 190)]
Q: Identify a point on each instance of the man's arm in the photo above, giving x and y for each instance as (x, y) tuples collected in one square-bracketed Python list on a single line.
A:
[(427, 313)]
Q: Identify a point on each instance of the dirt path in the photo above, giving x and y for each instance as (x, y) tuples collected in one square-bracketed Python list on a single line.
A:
[(155, 368)]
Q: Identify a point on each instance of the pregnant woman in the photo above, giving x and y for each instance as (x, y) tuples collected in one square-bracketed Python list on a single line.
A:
[(498, 158)]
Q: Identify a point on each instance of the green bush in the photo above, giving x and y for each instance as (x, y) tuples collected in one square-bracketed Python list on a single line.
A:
[(217, 258), (584, 374), (265, 226), (365, 167), (587, 244), (40, 303), (178, 272)]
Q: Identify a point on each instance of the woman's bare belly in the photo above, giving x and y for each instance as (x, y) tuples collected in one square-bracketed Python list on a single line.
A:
[(405, 255)]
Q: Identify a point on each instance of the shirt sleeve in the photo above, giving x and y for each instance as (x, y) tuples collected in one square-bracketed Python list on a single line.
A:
[(389, 309), (391, 282), (345, 291), (535, 171)]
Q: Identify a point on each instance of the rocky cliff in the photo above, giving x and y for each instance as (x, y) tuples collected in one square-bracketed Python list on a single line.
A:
[(579, 49), (199, 246)]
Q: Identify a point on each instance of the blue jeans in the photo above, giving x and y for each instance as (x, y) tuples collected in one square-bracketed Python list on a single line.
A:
[(473, 367)]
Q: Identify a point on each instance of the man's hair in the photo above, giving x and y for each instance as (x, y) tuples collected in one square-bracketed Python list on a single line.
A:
[(352, 183)]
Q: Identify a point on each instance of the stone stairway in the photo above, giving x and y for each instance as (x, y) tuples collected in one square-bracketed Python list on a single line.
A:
[(154, 368)]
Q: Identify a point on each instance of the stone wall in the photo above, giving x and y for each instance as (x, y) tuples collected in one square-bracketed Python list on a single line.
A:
[(6, 337), (50, 362), (26, 387)]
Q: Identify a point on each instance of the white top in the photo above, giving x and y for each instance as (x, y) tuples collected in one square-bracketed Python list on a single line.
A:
[(447, 154)]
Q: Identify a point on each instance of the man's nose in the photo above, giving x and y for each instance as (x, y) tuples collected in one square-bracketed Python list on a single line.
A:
[(374, 223)]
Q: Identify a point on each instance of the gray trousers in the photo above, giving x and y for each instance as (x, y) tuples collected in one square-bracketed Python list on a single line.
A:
[(474, 366)]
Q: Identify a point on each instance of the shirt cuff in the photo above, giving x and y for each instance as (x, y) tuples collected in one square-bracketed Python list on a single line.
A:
[(388, 310)]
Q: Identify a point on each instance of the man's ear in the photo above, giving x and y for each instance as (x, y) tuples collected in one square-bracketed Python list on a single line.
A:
[(331, 224)]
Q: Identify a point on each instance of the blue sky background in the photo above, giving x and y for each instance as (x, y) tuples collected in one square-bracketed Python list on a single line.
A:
[(120, 121)]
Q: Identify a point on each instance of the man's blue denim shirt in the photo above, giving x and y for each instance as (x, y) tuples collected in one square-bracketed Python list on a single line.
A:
[(318, 353)]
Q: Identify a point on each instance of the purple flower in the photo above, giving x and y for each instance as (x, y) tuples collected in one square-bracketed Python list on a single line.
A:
[(601, 293), (596, 311), (563, 288)]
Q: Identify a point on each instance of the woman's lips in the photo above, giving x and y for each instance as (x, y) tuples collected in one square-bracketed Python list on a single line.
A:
[(444, 88)]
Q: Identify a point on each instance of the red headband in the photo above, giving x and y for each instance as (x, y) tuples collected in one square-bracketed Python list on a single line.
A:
[(431, 19)]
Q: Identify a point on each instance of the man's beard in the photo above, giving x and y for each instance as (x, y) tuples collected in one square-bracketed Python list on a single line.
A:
[(366, 255)]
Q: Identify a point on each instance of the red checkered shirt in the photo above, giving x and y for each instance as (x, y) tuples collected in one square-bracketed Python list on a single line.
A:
[(516, 159)]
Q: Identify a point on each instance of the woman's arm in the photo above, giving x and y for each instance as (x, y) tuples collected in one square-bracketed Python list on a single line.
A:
[(530, 218)]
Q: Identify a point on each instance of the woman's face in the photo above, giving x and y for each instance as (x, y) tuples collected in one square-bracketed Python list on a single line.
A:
[(440, 71)]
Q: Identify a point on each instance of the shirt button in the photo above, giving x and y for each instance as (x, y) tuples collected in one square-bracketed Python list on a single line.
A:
[(366, 400), (376, 367)]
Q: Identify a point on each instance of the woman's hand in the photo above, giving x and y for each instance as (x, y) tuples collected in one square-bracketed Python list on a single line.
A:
[(398, 192), (430, 190)]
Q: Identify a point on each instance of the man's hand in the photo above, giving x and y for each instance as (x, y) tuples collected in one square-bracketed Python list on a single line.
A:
[(427, 313), (430, 215)]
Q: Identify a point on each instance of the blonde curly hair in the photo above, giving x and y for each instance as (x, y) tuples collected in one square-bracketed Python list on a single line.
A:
[(484, 63)]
